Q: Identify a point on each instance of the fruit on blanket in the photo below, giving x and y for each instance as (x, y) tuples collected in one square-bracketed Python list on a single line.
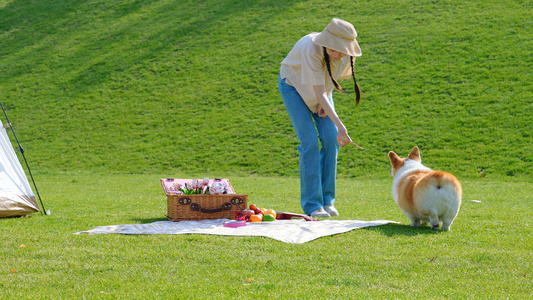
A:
[(272, 212), (248, 212), (269, 218), (255, 214), (256, 218)]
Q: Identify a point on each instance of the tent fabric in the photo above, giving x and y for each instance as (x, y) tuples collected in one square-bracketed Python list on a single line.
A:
[(16, 195)]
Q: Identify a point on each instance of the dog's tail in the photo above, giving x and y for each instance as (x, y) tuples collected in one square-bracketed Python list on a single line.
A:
[(445, 186)]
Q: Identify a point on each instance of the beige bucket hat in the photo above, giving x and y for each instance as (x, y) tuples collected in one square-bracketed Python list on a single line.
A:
[(339, 35)]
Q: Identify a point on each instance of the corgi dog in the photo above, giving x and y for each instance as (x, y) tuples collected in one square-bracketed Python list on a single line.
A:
[(422, 194)]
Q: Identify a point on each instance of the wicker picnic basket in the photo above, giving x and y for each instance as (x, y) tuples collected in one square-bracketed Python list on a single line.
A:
[(201, 206)]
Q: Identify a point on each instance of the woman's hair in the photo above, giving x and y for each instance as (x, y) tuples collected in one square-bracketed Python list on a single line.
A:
[(337, 85)]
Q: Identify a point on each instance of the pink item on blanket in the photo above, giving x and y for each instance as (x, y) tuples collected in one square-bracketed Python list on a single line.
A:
[(234, 224)]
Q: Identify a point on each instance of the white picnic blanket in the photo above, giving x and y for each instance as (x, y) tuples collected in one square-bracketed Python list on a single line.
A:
[(288, 231)]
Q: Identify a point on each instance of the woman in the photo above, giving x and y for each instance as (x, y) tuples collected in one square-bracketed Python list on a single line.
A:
[(307, 77)]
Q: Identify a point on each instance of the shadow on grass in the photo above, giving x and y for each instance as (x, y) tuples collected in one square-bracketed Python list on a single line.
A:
[(148, 220), (402, 229)]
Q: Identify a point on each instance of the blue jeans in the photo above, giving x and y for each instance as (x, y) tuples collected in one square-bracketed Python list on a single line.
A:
[(318, 165)]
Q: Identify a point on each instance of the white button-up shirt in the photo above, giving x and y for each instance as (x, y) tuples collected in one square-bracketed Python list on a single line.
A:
[(305, 67)]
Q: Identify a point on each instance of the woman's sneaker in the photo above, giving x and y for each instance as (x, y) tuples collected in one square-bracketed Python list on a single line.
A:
[(331, 210), (320, 213)]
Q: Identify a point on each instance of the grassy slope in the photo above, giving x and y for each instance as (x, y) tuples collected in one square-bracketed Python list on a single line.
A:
[(190, 86)]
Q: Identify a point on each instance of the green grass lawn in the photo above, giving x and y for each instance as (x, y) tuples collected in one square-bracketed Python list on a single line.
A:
[(487, 254), (107, 97)]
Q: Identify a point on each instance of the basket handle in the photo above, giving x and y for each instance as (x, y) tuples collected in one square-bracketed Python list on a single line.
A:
[(197, 207)]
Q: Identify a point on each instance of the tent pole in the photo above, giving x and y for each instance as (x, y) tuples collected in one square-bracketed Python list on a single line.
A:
[(24, 156)]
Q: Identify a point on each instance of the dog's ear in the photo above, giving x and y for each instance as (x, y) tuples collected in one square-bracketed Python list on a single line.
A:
[(415, 154), (395, 161), (394, 158)]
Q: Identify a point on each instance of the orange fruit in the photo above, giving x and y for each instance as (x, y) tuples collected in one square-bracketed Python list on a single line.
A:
[(272, 212), (256, 218)]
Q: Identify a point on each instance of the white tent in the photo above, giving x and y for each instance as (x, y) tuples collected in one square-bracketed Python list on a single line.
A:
[(16, 195)]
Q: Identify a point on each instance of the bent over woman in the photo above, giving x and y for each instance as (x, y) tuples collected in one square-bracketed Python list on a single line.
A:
[(307, 77)]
